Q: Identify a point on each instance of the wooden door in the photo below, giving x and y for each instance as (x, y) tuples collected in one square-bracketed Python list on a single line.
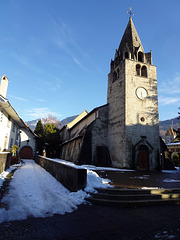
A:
[(26, 153), (143, 157)]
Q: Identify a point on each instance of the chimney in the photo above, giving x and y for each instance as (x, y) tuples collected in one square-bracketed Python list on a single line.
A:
[(4, 86)]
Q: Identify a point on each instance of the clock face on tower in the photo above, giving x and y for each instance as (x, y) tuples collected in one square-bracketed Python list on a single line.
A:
[(141, 93)]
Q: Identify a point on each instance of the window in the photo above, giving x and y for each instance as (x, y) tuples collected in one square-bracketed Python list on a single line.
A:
[(140, 57), (116, 61), (14, 127), (5, 142), (118, 73), (114, 76), (144, 71), (142, 119), (138, 67), (126, 55), (11, 143)]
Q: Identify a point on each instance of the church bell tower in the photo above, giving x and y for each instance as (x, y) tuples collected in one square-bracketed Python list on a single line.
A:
[(133, 124)]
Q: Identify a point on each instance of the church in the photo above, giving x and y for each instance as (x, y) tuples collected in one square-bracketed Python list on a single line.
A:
[(124, 133)]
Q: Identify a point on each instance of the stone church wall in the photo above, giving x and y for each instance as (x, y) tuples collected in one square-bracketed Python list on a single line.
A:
[(100, 138), (141, 115), (85, 136), (116, 126)]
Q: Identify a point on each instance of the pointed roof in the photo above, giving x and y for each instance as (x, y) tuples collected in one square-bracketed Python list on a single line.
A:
[(130, 38)]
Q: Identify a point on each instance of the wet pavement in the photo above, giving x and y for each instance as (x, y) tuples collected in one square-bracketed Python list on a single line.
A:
[(100, 222), (91, 222), (139, 179)]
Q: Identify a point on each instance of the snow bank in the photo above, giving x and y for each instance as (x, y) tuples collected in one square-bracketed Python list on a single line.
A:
[(36, 193), (94, 181), (4, 174), (92, 167)]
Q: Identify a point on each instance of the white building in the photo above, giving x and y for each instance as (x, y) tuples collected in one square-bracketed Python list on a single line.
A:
[(13, 130)]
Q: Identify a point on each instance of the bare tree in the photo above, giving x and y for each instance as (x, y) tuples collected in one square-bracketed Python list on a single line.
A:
[(52, 120)]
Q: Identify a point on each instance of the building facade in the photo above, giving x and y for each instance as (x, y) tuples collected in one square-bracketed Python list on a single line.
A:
[(133, 124), (130, 123), (13, 130)]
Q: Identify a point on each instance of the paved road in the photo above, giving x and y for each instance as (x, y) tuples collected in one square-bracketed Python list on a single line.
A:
[(92, 222), (100, 222), (138, 179)]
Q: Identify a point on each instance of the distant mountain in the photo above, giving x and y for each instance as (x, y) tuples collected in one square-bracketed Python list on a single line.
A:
[(68, 120), (163, 125), (173, 122), (32, 124)]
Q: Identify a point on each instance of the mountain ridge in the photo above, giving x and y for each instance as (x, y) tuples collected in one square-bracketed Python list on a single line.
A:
[(32, 123), (163, 125)]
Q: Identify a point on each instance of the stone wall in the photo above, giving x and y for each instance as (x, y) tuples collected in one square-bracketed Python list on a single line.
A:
[(99, 129), (73, 178), (131, 117), (116, 118), (141, 114), (86, 138), (5, 160)]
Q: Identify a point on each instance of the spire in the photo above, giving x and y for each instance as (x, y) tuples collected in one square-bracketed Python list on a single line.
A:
[(131, 39), (130, 46)]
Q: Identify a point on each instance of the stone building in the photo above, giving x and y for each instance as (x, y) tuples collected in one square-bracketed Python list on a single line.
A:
[(85, 141), (125, 132)]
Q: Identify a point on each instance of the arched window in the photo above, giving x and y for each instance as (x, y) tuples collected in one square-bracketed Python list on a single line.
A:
[(121, 56), (126, 55), (116, 61), (144, 71), (138, 68), (114, 76), (112, 64), (140, 57), (118, 73)]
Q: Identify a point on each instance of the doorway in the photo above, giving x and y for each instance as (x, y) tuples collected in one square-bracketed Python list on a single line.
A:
[(143, 158), (26, 153)]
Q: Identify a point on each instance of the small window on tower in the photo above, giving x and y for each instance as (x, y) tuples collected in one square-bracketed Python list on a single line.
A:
[(118, 73), (144, 71), (114, 76), (138, 67), (142, 119), (126, 55), (140, 57), (116, 62)]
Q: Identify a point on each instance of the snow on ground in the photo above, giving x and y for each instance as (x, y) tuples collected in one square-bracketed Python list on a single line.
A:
[(107, 168), (90, 167), (94, 181), (35, 192), (171, 180), (4, 174), (165, 235), (142, 177)]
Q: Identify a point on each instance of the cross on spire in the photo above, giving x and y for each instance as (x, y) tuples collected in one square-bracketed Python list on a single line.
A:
[(130, 12)]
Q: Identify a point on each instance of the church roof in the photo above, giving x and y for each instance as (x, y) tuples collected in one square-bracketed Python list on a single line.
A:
[(130, 38)]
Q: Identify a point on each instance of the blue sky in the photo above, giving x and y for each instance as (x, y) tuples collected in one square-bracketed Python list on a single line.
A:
[(56, 54)]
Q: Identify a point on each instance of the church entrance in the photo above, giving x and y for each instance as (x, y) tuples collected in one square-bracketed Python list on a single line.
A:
[(143, 158)]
